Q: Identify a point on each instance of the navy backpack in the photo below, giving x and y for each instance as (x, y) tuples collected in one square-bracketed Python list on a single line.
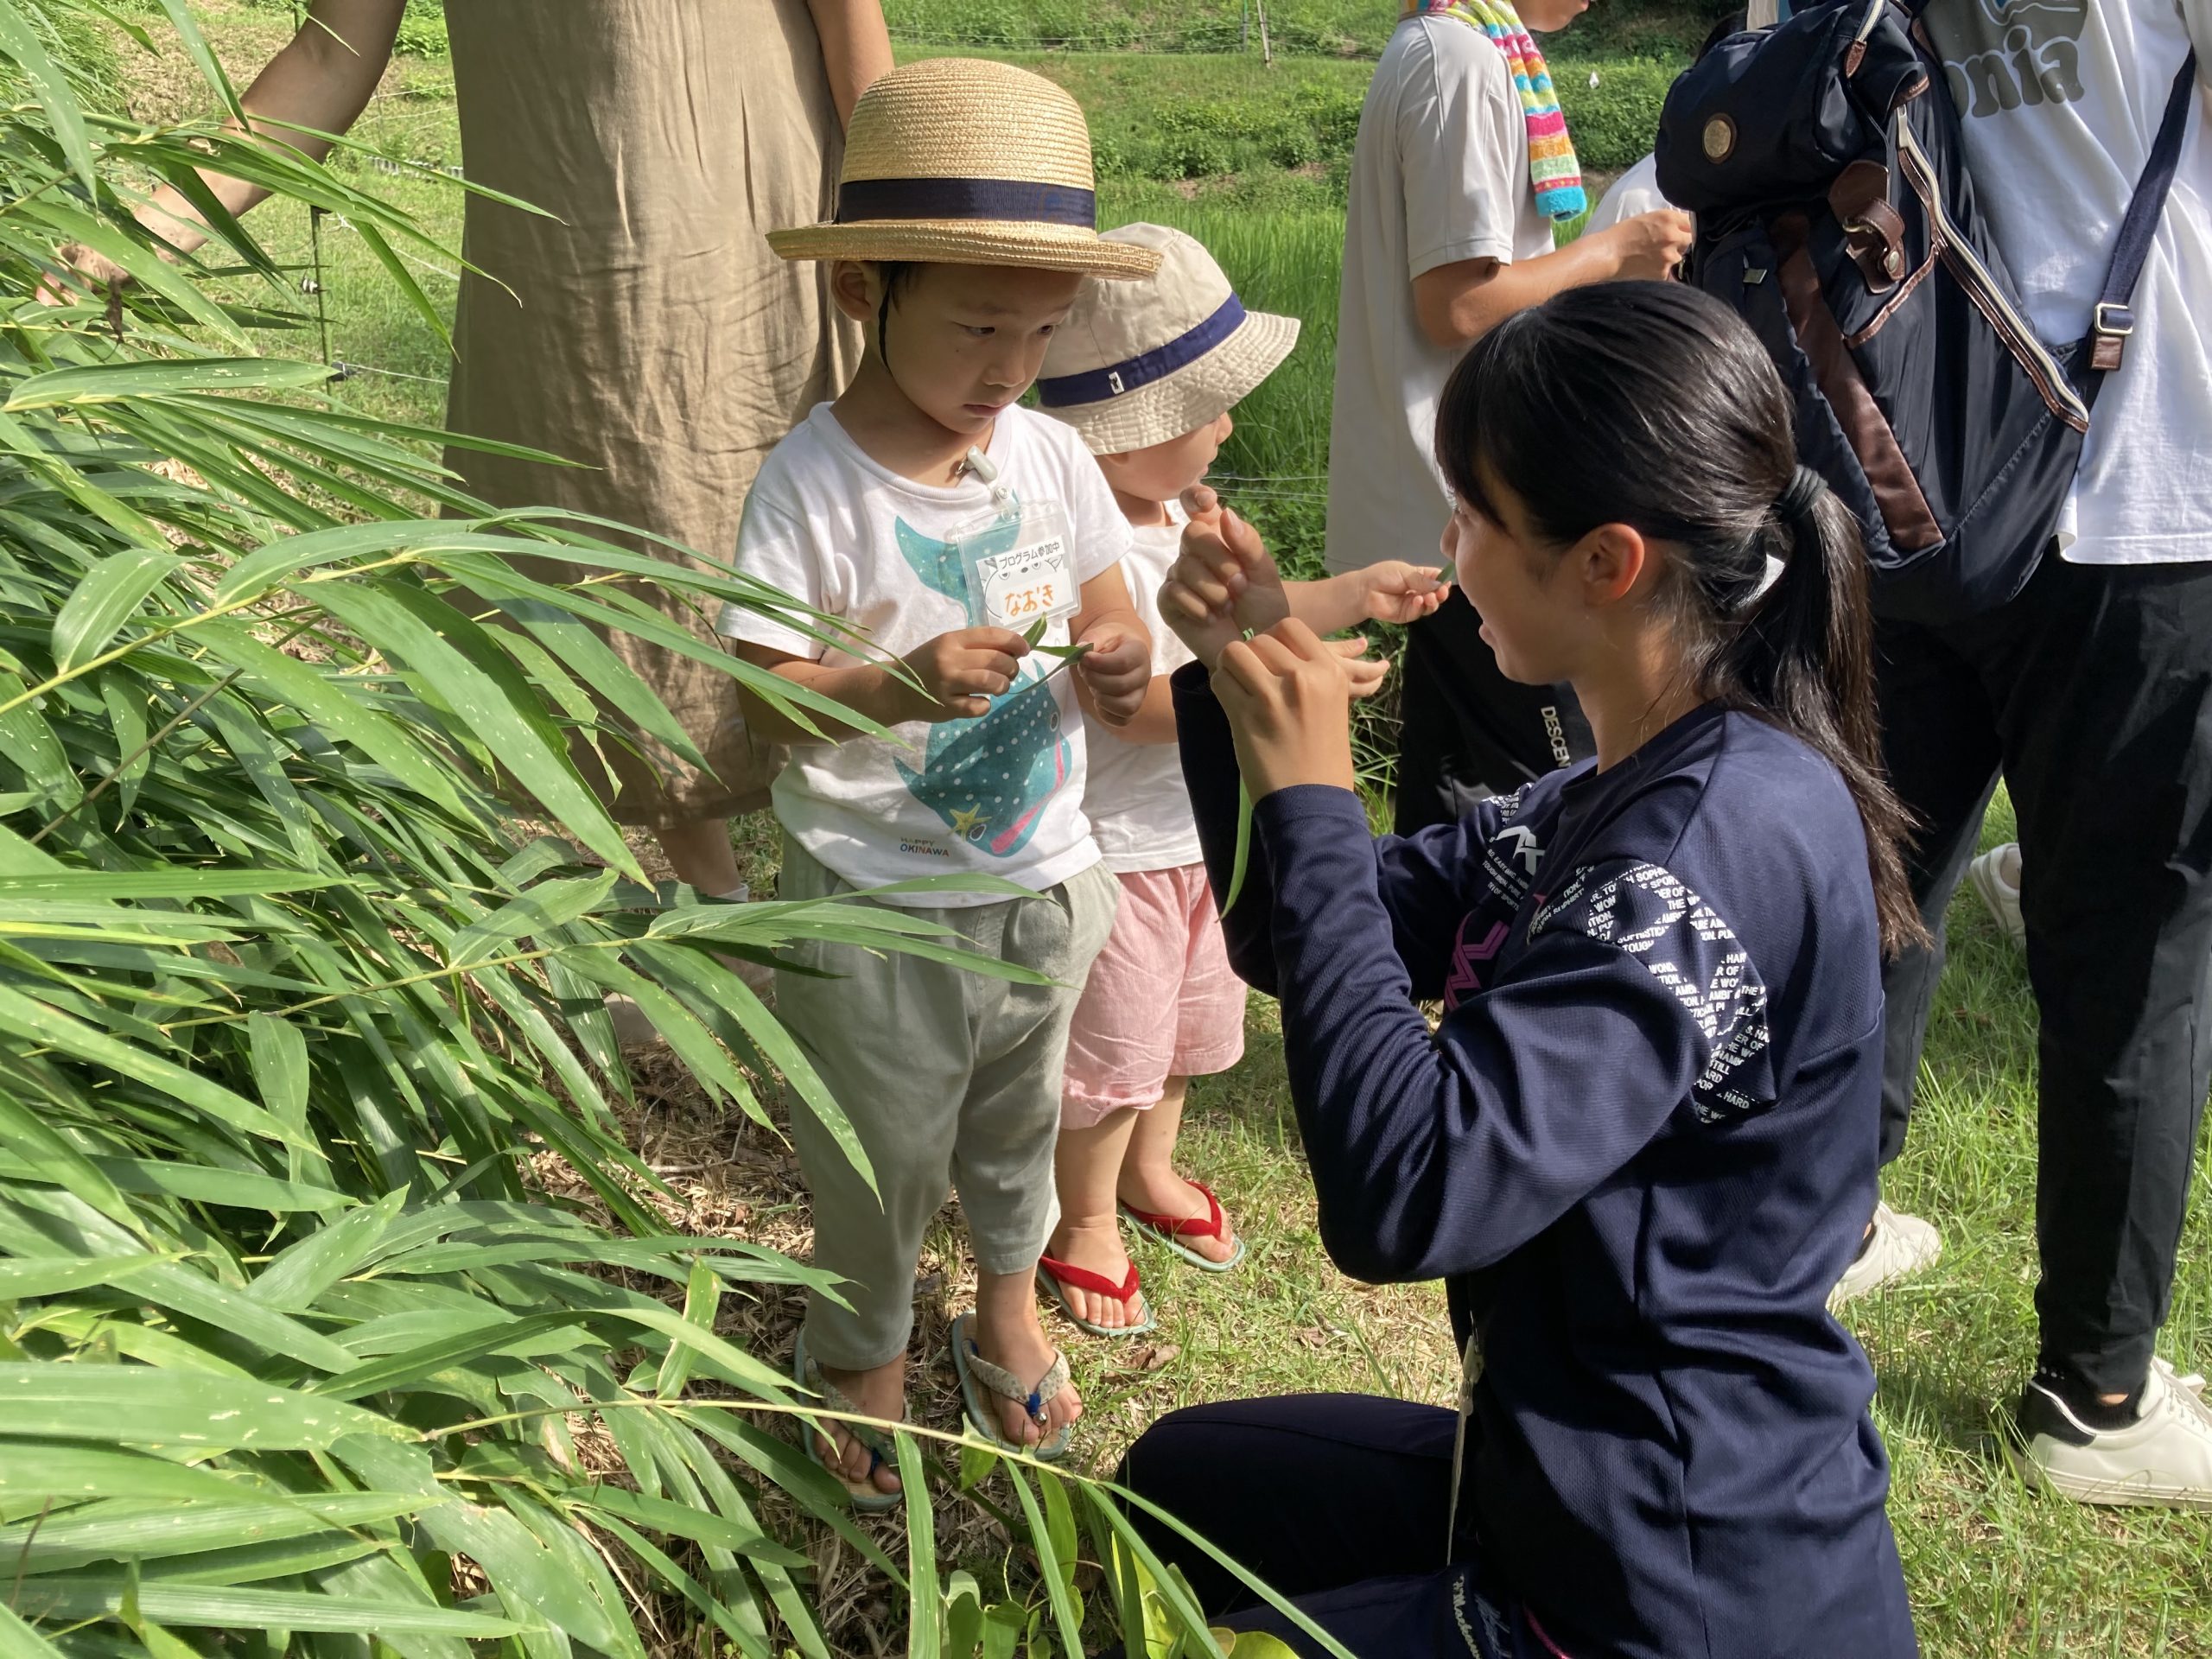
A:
[(1834, 213)]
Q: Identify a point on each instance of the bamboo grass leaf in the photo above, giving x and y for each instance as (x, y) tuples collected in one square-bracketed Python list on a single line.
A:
[(41, 1024), (37, 1469), (382, 615), (106, 382), (19, 41), (106, 597), (921, 1552), (137, 1405), (19, 1641), (222, 1608)]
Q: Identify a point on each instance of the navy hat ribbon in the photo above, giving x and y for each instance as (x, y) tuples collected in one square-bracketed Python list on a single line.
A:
[(1015, 200), (1097, 385)]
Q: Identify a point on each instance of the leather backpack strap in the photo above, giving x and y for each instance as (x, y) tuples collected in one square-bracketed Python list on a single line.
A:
[(2113, 322)]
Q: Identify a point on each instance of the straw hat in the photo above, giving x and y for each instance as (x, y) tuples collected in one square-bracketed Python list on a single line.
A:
[(954, 161), (1137, 363)]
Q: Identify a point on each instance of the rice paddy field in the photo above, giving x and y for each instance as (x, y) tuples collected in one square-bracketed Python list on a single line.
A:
[(1194, 129)]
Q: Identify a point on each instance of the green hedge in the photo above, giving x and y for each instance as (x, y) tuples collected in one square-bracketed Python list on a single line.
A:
[(1614, 122)]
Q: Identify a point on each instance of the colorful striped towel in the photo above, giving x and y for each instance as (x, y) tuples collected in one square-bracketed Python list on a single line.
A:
[(1554, 172)]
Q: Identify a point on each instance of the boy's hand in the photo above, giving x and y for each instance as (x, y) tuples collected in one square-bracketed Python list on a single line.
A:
[(1234, 562), (1649, 245), (1395, 591), (1365, 673), (1116, 671), (960, 672)]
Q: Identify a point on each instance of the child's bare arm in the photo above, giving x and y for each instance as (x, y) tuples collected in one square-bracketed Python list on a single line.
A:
[(957, 672), (1392, 591), (1241, 570)]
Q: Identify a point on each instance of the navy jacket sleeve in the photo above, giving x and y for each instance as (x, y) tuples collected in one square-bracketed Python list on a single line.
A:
[(1422, 881), (1440, 1155)]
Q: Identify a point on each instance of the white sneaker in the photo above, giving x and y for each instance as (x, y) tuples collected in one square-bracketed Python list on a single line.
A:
[(1900, 1246), (1996, 878), (2164, 1458)]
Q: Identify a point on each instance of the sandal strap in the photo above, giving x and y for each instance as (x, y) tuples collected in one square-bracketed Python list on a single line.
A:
[(1097, 1283), (877, 1444), (1215, 1225), (1005, 1384)]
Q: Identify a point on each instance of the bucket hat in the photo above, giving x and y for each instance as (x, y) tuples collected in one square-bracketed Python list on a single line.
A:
[(956, 161), (1137, 363)]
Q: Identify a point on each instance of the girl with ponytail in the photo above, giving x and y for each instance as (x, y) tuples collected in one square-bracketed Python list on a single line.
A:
[(1639, 1147)]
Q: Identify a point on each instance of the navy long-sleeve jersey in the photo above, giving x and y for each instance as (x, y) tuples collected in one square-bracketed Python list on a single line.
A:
[(1640, 1149)]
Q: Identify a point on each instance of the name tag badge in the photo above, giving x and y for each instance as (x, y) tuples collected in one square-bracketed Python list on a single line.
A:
[(1022, 567)]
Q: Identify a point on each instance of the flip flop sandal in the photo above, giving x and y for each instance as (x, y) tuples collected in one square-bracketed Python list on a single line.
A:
[(979, 1376), (865, 1498), (1054, 1277), (1171, 1231)]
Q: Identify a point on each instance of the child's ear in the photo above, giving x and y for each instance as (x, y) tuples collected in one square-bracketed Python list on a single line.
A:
[(856, 287)]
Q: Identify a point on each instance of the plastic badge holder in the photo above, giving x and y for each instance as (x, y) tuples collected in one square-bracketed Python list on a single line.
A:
[(1019, 559)]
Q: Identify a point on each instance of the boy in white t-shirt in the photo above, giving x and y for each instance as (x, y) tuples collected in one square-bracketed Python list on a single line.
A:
[(1146, 372), (965, 550), (1458, 174)]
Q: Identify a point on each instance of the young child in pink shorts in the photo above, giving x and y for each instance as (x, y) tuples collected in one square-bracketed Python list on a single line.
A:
[(1147, 372)]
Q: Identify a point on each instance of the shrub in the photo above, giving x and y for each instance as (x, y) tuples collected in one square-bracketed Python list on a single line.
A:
[(296, 1356)]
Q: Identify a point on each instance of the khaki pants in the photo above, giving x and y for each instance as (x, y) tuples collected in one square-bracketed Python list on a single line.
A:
[(952, 1080)]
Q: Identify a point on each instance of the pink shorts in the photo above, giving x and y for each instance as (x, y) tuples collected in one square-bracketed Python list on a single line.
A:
[(1161, 1000)]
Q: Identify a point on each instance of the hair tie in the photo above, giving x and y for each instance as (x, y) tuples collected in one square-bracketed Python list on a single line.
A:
[(1796, 503), (1795, 507)]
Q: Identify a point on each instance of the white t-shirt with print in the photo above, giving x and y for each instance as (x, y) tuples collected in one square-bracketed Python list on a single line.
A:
[(1000, 795), (1439, 174), (1139, 809), (2053, 165)]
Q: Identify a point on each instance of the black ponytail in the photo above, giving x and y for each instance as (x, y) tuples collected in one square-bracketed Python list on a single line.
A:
[(1653, 405)]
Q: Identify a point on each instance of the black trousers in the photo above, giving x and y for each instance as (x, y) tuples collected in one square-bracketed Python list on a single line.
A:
[(2092, 694), (1467, 731), (1341, 1502)]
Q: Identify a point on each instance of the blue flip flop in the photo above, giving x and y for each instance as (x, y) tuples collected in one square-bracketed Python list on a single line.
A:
[(864, 1499), (979, 1376)]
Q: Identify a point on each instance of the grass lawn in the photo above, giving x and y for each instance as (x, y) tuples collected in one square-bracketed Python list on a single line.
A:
[(1993, 1569)]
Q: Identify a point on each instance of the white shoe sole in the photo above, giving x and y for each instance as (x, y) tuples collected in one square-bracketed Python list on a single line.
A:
[(2134, 1493)]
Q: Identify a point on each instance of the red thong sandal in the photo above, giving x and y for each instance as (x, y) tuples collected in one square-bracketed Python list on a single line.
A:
[(1171, 1231), (1053, 1278)]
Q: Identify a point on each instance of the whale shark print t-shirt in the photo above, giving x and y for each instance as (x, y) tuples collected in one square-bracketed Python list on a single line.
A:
[(1000, 795)]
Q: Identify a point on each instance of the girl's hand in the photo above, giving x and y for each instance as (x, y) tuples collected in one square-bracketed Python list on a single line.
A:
[(1363, 674), (1116, 671), (1288, 698), (1395, 591)]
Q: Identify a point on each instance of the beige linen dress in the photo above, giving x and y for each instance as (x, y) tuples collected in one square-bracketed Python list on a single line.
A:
[(651, 332)]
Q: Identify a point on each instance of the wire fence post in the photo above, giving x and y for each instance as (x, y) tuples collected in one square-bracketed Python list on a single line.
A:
[(1267, 52), (313, 283)]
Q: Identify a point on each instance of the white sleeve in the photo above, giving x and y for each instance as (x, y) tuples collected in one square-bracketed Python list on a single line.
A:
[(1456, 150), (775, 545)]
